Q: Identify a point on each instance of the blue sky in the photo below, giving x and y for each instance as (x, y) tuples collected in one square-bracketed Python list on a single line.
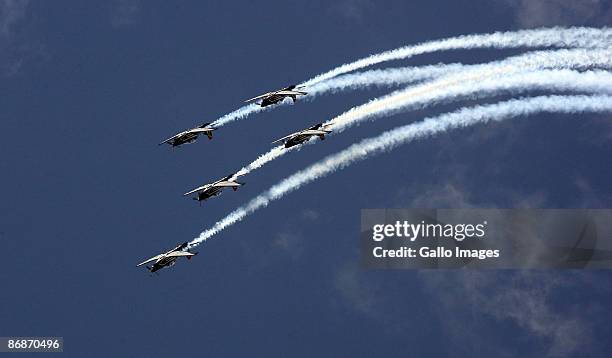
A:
[(89, 89)]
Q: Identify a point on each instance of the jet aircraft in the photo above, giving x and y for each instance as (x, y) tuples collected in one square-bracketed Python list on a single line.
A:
[(213, 189), (168, 258), (277, 96), (190, 135), (304, 135)]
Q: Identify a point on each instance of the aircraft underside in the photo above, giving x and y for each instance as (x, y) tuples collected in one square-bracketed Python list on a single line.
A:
[(208, 194), (184, 140), (296, 141), (161, 264), (271, 100)]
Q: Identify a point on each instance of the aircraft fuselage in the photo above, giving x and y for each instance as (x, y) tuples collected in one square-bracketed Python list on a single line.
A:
[(272, 99), (183, 139), (208, 193), (297, 140), (161, 263)]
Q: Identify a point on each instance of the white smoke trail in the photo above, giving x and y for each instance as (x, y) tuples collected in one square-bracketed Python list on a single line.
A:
[(538, 38), (385, 77), (405, 134), (240, 113), (557, 80), (491, 79), (262, 160), (553, 37), (487, 77)]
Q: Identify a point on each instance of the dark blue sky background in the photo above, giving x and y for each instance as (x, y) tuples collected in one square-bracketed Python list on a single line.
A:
[(88, 89)]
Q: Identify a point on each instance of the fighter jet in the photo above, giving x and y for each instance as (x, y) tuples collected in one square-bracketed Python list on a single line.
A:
[(168, 259), (277, 96), (190, 135), (304, 135), (213, 189)]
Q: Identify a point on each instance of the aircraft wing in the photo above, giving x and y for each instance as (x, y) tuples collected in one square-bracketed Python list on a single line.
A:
[(289, 93), (285, 137), (200, 130), (200, 188), (169, 139), (179, 247), (258, 97), (314, 132), (227, 184), (180, 254), (154, 258)]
